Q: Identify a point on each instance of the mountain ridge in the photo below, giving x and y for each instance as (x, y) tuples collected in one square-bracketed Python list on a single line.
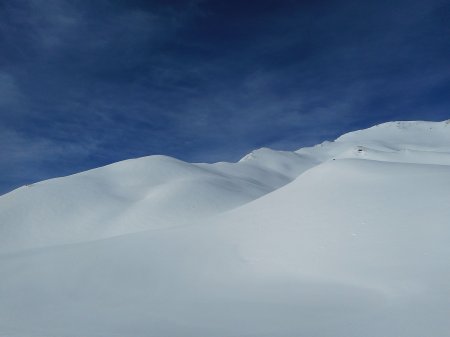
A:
[(159, 191), (345, 239)]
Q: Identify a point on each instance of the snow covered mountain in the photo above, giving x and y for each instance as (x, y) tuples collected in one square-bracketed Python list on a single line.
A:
[(139, 194), (345, 239)]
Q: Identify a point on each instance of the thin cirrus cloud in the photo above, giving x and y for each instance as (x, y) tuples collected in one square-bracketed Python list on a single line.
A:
[(83, 84)]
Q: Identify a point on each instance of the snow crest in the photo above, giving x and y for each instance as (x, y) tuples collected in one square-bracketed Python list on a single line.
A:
[(346, 239)]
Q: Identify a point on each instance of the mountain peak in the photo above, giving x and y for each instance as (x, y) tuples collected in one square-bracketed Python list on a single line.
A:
[(418, 135)]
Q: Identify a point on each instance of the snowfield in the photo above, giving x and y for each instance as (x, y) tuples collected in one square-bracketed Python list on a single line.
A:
[(344, 239)]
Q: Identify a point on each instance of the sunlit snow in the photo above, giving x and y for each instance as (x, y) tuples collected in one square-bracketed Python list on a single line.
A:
[(344, 239)]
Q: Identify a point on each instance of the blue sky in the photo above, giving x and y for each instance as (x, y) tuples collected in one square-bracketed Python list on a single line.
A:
[(87, 83)]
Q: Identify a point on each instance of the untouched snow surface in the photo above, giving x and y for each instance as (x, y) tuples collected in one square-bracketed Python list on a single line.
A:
[(344, 239)]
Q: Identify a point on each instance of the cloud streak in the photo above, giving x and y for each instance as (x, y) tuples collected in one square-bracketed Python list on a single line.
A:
[(83, 84)]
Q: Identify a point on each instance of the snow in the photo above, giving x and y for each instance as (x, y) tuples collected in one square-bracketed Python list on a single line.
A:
[(345, 239), (139, 194)]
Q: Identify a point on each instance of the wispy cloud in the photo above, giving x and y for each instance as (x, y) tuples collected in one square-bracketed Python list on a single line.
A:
[(25, 159), (87, 83), (10, 93)]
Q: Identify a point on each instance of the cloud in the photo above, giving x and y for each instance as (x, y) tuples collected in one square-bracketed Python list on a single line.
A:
[(88, 83), (10, 93), (27, 159)]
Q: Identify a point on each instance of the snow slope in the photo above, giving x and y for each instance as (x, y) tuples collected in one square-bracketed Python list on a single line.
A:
[(345, 239), (138, 194)]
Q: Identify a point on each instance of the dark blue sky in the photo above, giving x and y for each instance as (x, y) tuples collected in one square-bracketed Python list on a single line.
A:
[(86, 83)]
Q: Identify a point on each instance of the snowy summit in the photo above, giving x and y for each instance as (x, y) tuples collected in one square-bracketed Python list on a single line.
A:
[(348, 238)]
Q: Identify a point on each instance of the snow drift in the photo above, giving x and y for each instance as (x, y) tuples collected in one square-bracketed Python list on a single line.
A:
[(348, 238)]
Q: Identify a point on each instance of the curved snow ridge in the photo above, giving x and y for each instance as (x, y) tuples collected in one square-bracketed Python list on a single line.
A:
[(159, 191), (135, 195), (353, 219), (414, 135), (406, 141)]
